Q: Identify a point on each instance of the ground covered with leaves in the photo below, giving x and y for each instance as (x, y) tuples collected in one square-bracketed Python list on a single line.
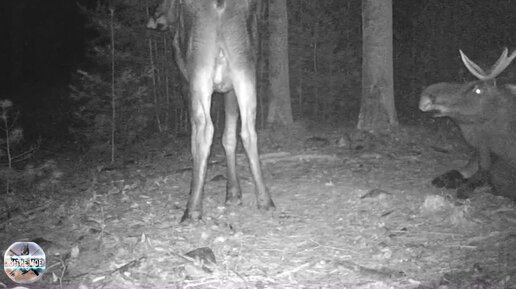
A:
[(354, 210)]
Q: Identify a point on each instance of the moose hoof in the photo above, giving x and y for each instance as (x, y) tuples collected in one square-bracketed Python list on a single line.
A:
[(267, 206), (233, 201), (450, 180), (190, 217), (233, 196)]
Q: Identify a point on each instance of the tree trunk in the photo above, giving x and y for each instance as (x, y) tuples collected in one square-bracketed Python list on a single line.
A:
[(280, 111), (377, 111)]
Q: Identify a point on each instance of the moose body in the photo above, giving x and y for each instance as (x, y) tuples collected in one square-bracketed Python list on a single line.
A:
[(486, 115), (214, 43)]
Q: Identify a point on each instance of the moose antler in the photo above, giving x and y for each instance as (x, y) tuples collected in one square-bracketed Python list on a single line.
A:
[(497, 68)]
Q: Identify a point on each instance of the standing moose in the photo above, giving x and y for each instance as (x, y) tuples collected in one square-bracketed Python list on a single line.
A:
[(486, 115), (214, 43)]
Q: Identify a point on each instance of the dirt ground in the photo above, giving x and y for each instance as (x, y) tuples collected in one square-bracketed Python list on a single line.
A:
[(354, 210)]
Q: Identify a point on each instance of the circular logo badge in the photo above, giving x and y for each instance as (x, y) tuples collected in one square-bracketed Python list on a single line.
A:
[(24, 262)]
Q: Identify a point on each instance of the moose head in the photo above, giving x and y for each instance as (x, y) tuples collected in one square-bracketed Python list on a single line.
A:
[(473, 102)]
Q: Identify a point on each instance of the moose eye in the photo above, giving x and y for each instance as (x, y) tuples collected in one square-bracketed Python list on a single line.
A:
[(477, 90)]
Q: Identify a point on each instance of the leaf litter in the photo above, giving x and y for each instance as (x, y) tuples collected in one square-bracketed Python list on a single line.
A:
[(348, 216)]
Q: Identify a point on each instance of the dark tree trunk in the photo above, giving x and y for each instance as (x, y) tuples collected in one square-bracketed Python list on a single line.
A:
[(280, 111), (377, 109)]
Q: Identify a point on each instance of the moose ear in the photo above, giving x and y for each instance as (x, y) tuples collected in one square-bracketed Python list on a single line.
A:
[(166, 15)]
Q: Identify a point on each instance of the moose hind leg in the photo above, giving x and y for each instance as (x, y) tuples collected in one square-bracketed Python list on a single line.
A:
[(244, 85), (202, 135)]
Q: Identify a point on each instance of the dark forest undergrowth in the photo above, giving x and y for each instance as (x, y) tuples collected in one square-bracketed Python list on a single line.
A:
[(354, 210)]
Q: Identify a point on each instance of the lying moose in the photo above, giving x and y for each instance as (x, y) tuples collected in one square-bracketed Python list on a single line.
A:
[(486, 115)]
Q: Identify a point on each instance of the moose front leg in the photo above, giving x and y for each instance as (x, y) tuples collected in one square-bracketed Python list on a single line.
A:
[(480, 178), (481, 175), (456, 178)]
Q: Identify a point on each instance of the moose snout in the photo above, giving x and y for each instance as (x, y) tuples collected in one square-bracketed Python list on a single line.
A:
[(426, 103)]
